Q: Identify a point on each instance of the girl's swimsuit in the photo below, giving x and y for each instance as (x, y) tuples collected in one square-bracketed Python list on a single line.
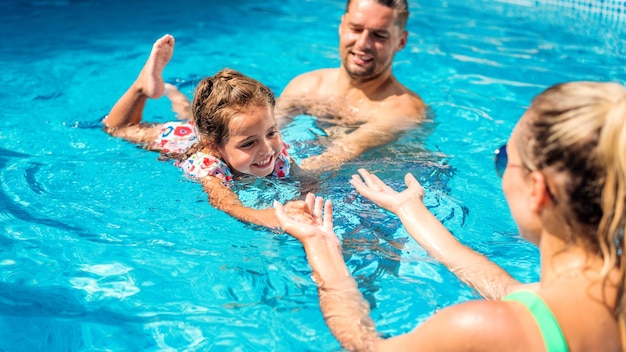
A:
[(177, 137), (553, 338)]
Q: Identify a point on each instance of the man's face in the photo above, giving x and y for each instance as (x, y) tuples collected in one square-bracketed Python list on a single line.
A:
[(369, 37)]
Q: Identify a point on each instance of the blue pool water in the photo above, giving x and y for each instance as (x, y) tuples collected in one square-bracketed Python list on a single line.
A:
[(105, 248)]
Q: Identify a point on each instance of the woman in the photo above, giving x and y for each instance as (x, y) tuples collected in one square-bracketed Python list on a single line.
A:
[(564, 178)]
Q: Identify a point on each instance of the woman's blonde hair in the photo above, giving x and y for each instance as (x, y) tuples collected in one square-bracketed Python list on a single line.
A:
[(577, 133)]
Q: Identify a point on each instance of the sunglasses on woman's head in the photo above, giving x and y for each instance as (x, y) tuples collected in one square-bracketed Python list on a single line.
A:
[(501, 158)]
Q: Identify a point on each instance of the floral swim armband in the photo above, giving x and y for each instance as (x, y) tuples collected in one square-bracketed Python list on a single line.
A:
[(202, 164), (175, 137)]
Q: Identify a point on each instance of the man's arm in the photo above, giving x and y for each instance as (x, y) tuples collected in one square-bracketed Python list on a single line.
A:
[(367, 136), (287, 108), (297, 97)]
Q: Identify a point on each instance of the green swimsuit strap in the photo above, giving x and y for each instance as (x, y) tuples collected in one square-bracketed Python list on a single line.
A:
[(550, 330)]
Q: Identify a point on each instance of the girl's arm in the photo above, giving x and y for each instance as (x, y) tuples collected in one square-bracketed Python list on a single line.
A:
[(223, 198), (473, 268)]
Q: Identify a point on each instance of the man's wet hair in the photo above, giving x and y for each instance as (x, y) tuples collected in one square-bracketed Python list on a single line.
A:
[(401, 6)]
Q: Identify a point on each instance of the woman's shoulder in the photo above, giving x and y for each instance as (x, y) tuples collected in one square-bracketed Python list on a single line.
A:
[(575, 308), (492, 321), (474, 325)]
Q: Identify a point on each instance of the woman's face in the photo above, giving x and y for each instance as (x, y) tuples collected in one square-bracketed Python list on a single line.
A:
[(254, 142), (517, 187)]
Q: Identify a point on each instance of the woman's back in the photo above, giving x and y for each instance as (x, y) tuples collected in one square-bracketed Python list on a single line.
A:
[(581, 304)]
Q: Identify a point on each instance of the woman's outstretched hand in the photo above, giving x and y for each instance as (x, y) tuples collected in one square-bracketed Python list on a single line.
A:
[(308, 219), (384, 196)]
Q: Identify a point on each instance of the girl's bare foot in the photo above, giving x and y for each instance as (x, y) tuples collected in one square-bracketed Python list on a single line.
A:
[(150, 81), (128, 109)]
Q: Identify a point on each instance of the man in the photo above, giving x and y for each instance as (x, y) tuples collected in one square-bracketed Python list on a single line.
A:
[(362, 94)]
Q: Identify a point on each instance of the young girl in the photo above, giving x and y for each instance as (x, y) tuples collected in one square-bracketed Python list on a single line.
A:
[(232, 132)]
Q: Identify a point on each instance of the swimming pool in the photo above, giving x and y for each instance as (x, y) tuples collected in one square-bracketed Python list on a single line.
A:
[(105, 248)]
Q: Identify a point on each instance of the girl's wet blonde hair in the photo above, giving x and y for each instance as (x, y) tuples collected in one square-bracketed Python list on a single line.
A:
[(577, 135), (219, 98)]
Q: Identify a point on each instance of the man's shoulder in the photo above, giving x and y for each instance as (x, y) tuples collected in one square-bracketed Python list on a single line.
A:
[(309, 81), (315, 76), (406, 102)]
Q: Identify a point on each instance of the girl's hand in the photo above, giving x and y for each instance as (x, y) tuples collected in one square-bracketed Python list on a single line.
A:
[(384, 196), (300, 211), (314, 219)]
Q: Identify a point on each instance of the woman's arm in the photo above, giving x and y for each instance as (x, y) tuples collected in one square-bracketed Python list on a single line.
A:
[(345, 310), (478, 325), (473, 268)]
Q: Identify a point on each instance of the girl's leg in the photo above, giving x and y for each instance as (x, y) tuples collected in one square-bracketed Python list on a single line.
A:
[(180, 103), (149, 84)]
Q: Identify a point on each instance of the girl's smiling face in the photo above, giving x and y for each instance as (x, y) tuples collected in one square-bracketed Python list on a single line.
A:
[(253, 142)]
